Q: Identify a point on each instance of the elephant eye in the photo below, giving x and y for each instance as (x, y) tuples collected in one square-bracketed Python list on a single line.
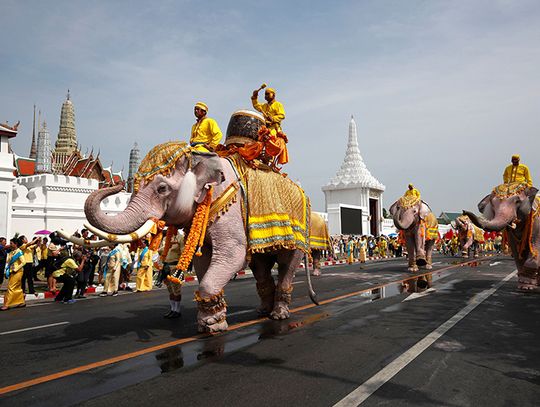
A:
[(163, 189)]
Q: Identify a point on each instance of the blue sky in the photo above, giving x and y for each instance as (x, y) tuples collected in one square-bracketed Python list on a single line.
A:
[(443, 92)]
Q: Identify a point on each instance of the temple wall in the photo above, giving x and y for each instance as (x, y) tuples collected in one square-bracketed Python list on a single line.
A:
[(55, 202)]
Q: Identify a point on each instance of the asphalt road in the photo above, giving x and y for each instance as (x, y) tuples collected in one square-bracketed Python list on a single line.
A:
[(471, 341)]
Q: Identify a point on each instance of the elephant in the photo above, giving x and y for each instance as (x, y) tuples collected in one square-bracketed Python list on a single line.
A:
[(420, 229), (515, 208), (469, 235), (172, 195)]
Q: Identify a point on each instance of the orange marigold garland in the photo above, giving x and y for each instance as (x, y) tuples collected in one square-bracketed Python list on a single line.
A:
[(195, 236)]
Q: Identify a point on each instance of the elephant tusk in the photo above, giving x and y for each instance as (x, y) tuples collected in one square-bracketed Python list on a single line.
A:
[(138, 234), (83, 242)]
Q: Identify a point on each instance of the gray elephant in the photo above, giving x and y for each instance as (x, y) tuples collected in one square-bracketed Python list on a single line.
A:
[(419, 226), (469, 235), (172, 181), (515, 208)]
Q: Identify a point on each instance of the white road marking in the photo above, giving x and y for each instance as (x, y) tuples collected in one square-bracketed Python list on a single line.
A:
[(361, 393), (437, 262), (299, 282), (414, 296), (33, 327), (494, 264)]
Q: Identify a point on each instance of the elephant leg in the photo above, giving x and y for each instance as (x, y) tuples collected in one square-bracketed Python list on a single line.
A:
[(429, 253), (288, 262), (411, 254), (420, 242), (316, 255), (528, 279), (227, 258), (261, 266)]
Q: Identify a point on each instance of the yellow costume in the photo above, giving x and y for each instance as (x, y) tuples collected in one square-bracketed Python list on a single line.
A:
[(14, 296), (274, 113), (275, 142), (517, 173), (412, 192), (205, 132), (144, 270)]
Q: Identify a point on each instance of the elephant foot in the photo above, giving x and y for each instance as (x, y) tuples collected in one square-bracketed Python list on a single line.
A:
[(316, 272), (429, 266), (221, 326), (412, 269), (421, 261), (212, 313), (475, 256), (281, 304)]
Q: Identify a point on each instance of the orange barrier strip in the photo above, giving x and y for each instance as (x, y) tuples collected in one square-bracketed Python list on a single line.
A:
[(116, 359)]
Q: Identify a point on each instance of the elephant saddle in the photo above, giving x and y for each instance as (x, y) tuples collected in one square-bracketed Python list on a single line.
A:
[(276, 210)]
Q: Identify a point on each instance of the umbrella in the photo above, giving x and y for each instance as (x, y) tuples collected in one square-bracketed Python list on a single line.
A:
[(43, 232), (392, 235)]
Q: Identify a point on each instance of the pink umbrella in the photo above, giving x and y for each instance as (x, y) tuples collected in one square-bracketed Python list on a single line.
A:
[(43, 232)]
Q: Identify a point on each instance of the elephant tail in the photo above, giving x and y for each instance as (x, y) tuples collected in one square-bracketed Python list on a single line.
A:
[(312, 293)]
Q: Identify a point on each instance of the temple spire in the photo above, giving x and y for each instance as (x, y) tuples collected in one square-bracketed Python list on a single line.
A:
[(353, 171), (66, 144), (33, 145)]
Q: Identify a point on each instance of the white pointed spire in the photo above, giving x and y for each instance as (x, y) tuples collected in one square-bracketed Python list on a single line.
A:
[(353, 172)]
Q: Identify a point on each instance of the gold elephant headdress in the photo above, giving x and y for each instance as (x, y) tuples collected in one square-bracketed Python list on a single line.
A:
[(408, 201), (512, 188), (160, 160)]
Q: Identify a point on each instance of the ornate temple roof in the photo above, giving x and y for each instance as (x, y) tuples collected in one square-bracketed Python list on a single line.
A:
[(353, 172)]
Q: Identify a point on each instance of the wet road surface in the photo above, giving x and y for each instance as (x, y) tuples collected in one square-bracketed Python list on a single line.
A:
[(318, 357)]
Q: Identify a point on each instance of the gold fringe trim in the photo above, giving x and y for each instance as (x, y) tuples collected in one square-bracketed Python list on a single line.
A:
[(222, 204), (213, 304)]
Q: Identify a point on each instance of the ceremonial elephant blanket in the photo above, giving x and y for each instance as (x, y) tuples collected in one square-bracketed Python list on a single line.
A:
[(318, 234), (276, 210)]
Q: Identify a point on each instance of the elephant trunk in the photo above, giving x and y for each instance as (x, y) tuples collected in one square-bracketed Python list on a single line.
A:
[(133, 217), (496, 224)]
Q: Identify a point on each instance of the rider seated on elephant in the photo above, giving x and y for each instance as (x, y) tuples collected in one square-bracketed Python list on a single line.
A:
[(205, 133), (412, 191), (275, 140), (517, 172)]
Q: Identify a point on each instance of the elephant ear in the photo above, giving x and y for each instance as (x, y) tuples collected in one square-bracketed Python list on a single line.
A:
[(425, 210), (485, 204), (527, 203), (393, 208), (208, 171)]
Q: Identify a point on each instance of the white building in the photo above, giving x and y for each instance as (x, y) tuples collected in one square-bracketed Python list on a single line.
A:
[(52, 202), (354, 197)]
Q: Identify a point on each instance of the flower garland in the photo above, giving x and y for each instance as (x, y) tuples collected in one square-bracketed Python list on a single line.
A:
[(195, 237)]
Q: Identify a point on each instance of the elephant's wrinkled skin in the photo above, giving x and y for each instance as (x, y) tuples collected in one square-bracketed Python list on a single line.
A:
[(174, 199), (512, 214), (409, 220)]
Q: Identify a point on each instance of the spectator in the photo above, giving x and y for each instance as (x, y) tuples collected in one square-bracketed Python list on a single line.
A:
[(144, 265), (14, 297), (68, 267), (111, 272), (28, 275), (3, 257)]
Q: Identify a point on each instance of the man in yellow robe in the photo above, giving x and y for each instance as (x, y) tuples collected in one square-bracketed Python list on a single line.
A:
[(517, 172), (412, 191), (205, 133), (274, 114), (15, 262), (145, 267)]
